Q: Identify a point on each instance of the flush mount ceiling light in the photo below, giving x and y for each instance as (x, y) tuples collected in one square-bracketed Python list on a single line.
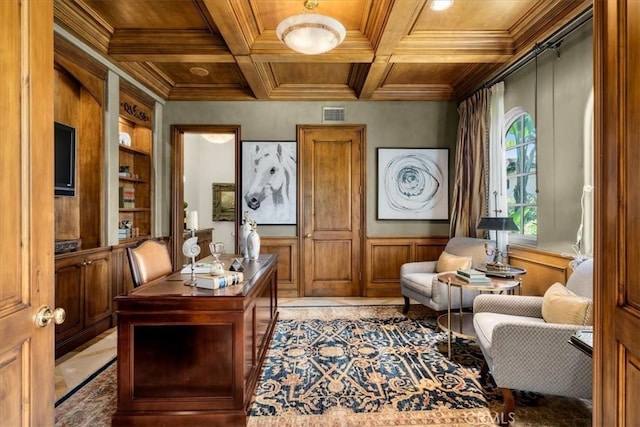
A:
[(439, 5), (219, 138), (311, 33)]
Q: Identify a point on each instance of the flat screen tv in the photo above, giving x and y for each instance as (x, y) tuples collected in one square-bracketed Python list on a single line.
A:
[(65, 160)]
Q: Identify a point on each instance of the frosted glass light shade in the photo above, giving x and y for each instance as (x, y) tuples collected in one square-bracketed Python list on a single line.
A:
[(311, 33), (439, 5)]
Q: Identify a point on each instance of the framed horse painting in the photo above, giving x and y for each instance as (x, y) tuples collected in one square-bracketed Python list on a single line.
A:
[(269, 181)]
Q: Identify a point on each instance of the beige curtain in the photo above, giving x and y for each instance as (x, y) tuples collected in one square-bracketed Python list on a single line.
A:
[(469, 188)]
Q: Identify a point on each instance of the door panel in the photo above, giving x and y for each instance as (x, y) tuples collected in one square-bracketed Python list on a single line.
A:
[(617, 213), (331, 171), (26, 217), (97, 288), (70, 296)]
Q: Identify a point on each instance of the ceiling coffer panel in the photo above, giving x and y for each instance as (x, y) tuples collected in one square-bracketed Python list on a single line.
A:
[(393, 49)]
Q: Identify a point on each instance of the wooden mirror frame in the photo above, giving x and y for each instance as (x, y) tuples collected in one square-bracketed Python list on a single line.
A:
[(177, 180)]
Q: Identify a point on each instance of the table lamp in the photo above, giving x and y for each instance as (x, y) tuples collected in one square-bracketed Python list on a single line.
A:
[(497, 223)]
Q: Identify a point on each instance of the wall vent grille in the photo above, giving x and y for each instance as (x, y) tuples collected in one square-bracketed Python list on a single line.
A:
[(332, 114)]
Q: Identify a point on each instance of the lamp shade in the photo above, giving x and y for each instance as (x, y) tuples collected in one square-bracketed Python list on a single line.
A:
[(311, 33), (500, 223)]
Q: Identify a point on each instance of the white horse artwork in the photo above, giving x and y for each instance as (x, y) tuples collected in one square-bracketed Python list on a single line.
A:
[(269, 177)]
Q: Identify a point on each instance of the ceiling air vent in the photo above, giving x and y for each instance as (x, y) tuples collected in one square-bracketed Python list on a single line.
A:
[(332, 114)]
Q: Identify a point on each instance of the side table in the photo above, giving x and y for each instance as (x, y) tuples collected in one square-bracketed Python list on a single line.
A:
[(460, 323)]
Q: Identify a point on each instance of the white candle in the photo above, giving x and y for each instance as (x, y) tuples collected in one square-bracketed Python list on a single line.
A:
[(192, 220)]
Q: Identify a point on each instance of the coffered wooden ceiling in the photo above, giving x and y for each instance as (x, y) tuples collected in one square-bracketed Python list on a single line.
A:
[(394, 49)]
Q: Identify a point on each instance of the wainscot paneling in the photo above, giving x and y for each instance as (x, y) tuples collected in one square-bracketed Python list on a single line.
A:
[(385, 255), (287, 250), (544, 268)]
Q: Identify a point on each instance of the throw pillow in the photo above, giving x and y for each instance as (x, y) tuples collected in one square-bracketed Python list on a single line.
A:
[(450, 262), (560, 305)]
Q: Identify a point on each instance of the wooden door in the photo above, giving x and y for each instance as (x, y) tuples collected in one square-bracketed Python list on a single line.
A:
[(617, 212), (332, 166), (26, 217)]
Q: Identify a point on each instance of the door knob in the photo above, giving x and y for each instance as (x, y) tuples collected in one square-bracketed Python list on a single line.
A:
[(45, 315), (307, 235)]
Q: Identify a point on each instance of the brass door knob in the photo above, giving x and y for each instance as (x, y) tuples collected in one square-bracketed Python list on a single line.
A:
[(45, 315), (307, 235)]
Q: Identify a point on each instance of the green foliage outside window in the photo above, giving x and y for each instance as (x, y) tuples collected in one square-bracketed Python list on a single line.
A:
[(521, 168)]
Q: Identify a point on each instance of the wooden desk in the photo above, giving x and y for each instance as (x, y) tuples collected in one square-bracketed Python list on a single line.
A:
[(190, 356)]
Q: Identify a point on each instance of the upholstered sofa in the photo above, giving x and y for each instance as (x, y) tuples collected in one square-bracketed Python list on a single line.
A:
[(418, 279), (525, 339)]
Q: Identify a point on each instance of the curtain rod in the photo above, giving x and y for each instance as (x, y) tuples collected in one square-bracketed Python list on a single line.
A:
[(552, 42)]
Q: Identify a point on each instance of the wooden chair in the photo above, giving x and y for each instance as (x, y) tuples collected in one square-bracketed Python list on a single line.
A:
[(148, 261)]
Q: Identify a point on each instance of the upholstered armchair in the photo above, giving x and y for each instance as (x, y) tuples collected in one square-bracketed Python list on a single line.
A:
[(524, 339), (418, 279)]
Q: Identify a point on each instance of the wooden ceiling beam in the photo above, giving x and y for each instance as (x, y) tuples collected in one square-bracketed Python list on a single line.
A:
[(168, 46), (376, 75), (393, 26), (255, 79), (417, 92), (236, 23)]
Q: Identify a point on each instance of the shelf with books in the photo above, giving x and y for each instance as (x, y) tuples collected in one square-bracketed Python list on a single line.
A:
[(135, 173)]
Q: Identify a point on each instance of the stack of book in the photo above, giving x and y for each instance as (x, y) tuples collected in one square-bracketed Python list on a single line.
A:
[(472, 276), (127, 197)]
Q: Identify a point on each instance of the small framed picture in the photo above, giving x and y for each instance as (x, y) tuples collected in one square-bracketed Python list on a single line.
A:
[(413, 183), (269, 181), (224, 202)]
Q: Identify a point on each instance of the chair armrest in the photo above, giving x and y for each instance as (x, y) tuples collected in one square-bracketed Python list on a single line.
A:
[(537, 357), (515, 305), (418, 267)]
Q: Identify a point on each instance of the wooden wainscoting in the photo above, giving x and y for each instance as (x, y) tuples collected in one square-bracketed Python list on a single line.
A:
[(544, 268), (385, 255), (287, 250)]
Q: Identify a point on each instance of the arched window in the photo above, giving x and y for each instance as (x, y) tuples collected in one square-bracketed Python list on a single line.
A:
[(520, 164)]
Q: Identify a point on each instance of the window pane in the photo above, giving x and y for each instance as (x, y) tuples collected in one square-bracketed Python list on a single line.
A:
[(530, 158), (511, 184), (515, 212), (514, 190), (529, 129), (530, 221), (513, 165), (530, 197), (510, 139)]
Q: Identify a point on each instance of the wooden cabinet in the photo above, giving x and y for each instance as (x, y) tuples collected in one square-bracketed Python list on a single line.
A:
[(84, 290), (135, 166), (197, 360)]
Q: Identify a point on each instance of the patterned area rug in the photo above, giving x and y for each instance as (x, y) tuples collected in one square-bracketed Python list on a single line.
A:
[(361, 366)]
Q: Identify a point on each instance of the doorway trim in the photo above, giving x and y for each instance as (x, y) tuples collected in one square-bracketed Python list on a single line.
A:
[(177, 182)]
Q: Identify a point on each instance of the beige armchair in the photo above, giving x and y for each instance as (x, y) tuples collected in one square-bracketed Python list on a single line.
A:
[(523, 351), (418, 279)]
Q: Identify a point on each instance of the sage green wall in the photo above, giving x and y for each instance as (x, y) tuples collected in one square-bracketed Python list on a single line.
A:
[(388, 124), (564, 85)]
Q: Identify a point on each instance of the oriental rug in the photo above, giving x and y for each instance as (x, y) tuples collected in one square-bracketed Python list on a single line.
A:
[(361, 366)]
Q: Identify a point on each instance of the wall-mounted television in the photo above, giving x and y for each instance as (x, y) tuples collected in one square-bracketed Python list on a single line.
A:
[(65, 160)]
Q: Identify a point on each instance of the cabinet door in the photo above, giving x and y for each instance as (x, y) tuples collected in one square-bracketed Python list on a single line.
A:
[(69, 295), (98, 295)]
